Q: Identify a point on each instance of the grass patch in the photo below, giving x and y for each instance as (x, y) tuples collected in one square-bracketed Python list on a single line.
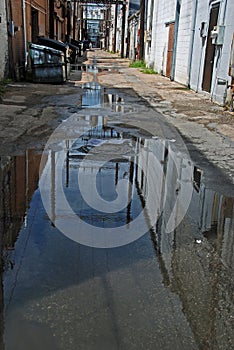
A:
[(141, 64), (137, 64), (3, 84), (148, 71)]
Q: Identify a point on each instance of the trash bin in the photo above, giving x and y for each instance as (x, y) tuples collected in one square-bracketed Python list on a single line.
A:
[(57, 45), (79, 44), (48, 65), (74, 53)]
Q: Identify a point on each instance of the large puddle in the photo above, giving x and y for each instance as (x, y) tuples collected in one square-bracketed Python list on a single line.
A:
[(156, 269)]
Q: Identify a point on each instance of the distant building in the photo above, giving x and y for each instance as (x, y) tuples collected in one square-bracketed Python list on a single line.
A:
[(94, 16)]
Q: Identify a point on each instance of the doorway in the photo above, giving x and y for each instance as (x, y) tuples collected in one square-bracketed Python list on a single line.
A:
[(34, 24), (170, 48), (210, 51)]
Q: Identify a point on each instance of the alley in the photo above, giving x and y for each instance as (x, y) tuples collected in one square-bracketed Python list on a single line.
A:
[(117, 209)]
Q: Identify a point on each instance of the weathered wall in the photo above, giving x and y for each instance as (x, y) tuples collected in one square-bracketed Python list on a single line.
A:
[(199, 47), (183, 42), (190, 46), (3, 40), (165, 14), (41, 7), (222, 53), (16, 39)]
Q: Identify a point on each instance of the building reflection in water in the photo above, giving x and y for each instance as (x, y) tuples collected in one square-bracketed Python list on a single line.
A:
[(196, 258), (19, 177)]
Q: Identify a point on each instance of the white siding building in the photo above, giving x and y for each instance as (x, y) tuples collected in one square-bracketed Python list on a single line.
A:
[(184, 46), (163, 21), (211, 57)]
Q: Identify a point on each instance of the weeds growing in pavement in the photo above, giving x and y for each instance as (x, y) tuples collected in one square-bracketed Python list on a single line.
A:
[(137, 64), (141, 64), (148, 71)]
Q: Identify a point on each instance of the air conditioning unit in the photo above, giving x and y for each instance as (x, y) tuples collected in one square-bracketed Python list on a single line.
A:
[(217, 35), (147, 36)]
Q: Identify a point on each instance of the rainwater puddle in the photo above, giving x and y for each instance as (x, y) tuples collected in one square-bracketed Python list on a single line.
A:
[(91, 68), (94, 95), (59, 293), (123, 245)]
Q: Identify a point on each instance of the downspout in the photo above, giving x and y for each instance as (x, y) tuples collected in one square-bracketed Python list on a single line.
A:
[(11, 58), (194, 19), (8, 43), (24, 34), (177, 19), (224, 12)]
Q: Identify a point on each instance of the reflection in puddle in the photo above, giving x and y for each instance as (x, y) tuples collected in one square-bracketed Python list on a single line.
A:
[(94, 69), (66, 294), (200, 274), (96, 96)]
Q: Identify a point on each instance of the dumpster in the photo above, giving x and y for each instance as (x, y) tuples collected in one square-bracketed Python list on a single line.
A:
[(57, 45), (48, 65)]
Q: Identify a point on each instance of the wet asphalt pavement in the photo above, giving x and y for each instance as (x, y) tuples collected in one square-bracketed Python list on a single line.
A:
[(126, 241)]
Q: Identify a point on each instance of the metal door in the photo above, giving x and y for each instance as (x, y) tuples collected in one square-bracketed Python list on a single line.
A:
[(210, 51), (170, 49)]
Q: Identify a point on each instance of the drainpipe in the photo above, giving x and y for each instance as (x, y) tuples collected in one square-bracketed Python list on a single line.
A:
[(177, 18), (224, 12), (194, 19), (24, 34)]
